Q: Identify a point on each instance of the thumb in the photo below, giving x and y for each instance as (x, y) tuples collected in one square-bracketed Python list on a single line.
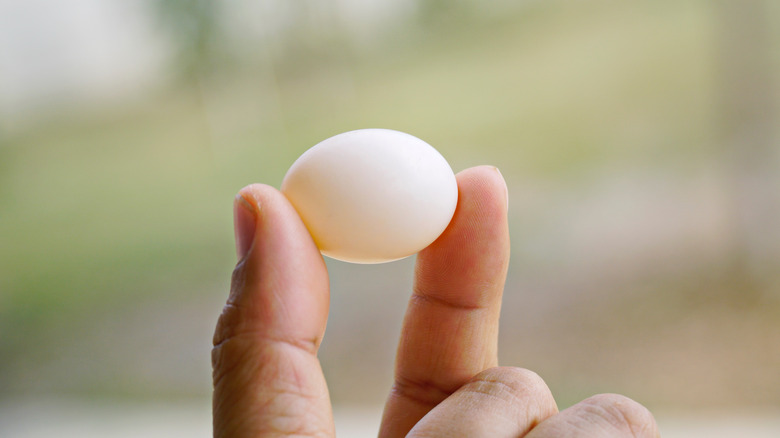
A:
[(267, 378)]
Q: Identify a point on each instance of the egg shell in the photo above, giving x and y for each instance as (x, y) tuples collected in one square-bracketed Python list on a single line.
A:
[(372, 195)]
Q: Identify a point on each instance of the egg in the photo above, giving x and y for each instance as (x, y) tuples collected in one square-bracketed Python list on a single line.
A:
[(372, 195)]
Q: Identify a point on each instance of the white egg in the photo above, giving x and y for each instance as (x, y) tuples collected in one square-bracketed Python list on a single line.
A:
[(372, 195)]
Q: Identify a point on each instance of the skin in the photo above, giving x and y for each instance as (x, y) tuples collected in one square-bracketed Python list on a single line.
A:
[(268, 381)]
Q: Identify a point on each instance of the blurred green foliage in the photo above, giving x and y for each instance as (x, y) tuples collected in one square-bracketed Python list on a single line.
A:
[(106, 212), (102, 210)]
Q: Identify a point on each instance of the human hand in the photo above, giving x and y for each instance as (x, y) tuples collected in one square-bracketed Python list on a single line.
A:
[(268, 381)]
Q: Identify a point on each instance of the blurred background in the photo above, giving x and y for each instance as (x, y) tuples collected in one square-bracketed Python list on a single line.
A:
[(640, 142)]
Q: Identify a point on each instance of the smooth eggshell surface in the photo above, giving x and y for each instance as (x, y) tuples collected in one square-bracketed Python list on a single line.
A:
[(372, 195)]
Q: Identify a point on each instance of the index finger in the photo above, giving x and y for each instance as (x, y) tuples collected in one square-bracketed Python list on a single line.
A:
[(450, 332)]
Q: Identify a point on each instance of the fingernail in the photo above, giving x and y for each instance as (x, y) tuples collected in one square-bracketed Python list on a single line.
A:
[(506, 189), (244, 225)]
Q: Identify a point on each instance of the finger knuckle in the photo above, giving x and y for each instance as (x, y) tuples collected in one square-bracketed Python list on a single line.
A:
[(227, 357), (624, 414), (231, 342), (226, 323), (510, 381), (238, 278), (516, 386), (522, 392)]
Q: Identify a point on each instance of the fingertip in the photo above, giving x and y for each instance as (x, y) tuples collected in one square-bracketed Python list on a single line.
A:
[(256, 195), (246, 215), (476, 242), (278, 225), (488, 185), (244, 225)]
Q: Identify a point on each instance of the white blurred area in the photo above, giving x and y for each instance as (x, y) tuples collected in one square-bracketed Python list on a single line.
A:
[(76, 53), (67, 419), (57, 56), (74, 419)]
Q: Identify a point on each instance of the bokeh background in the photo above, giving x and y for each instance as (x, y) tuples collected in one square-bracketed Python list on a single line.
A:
[(640, 142)]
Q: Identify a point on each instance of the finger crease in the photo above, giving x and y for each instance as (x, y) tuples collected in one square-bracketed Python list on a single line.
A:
[(422, 297), (309, 346), (425, 393)]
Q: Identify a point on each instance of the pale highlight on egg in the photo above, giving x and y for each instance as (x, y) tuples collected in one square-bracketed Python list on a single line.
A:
[(372, 195)]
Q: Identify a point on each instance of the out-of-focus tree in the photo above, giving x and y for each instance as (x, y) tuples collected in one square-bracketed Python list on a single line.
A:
[(748, 120), (442, 12), (194, 29)]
